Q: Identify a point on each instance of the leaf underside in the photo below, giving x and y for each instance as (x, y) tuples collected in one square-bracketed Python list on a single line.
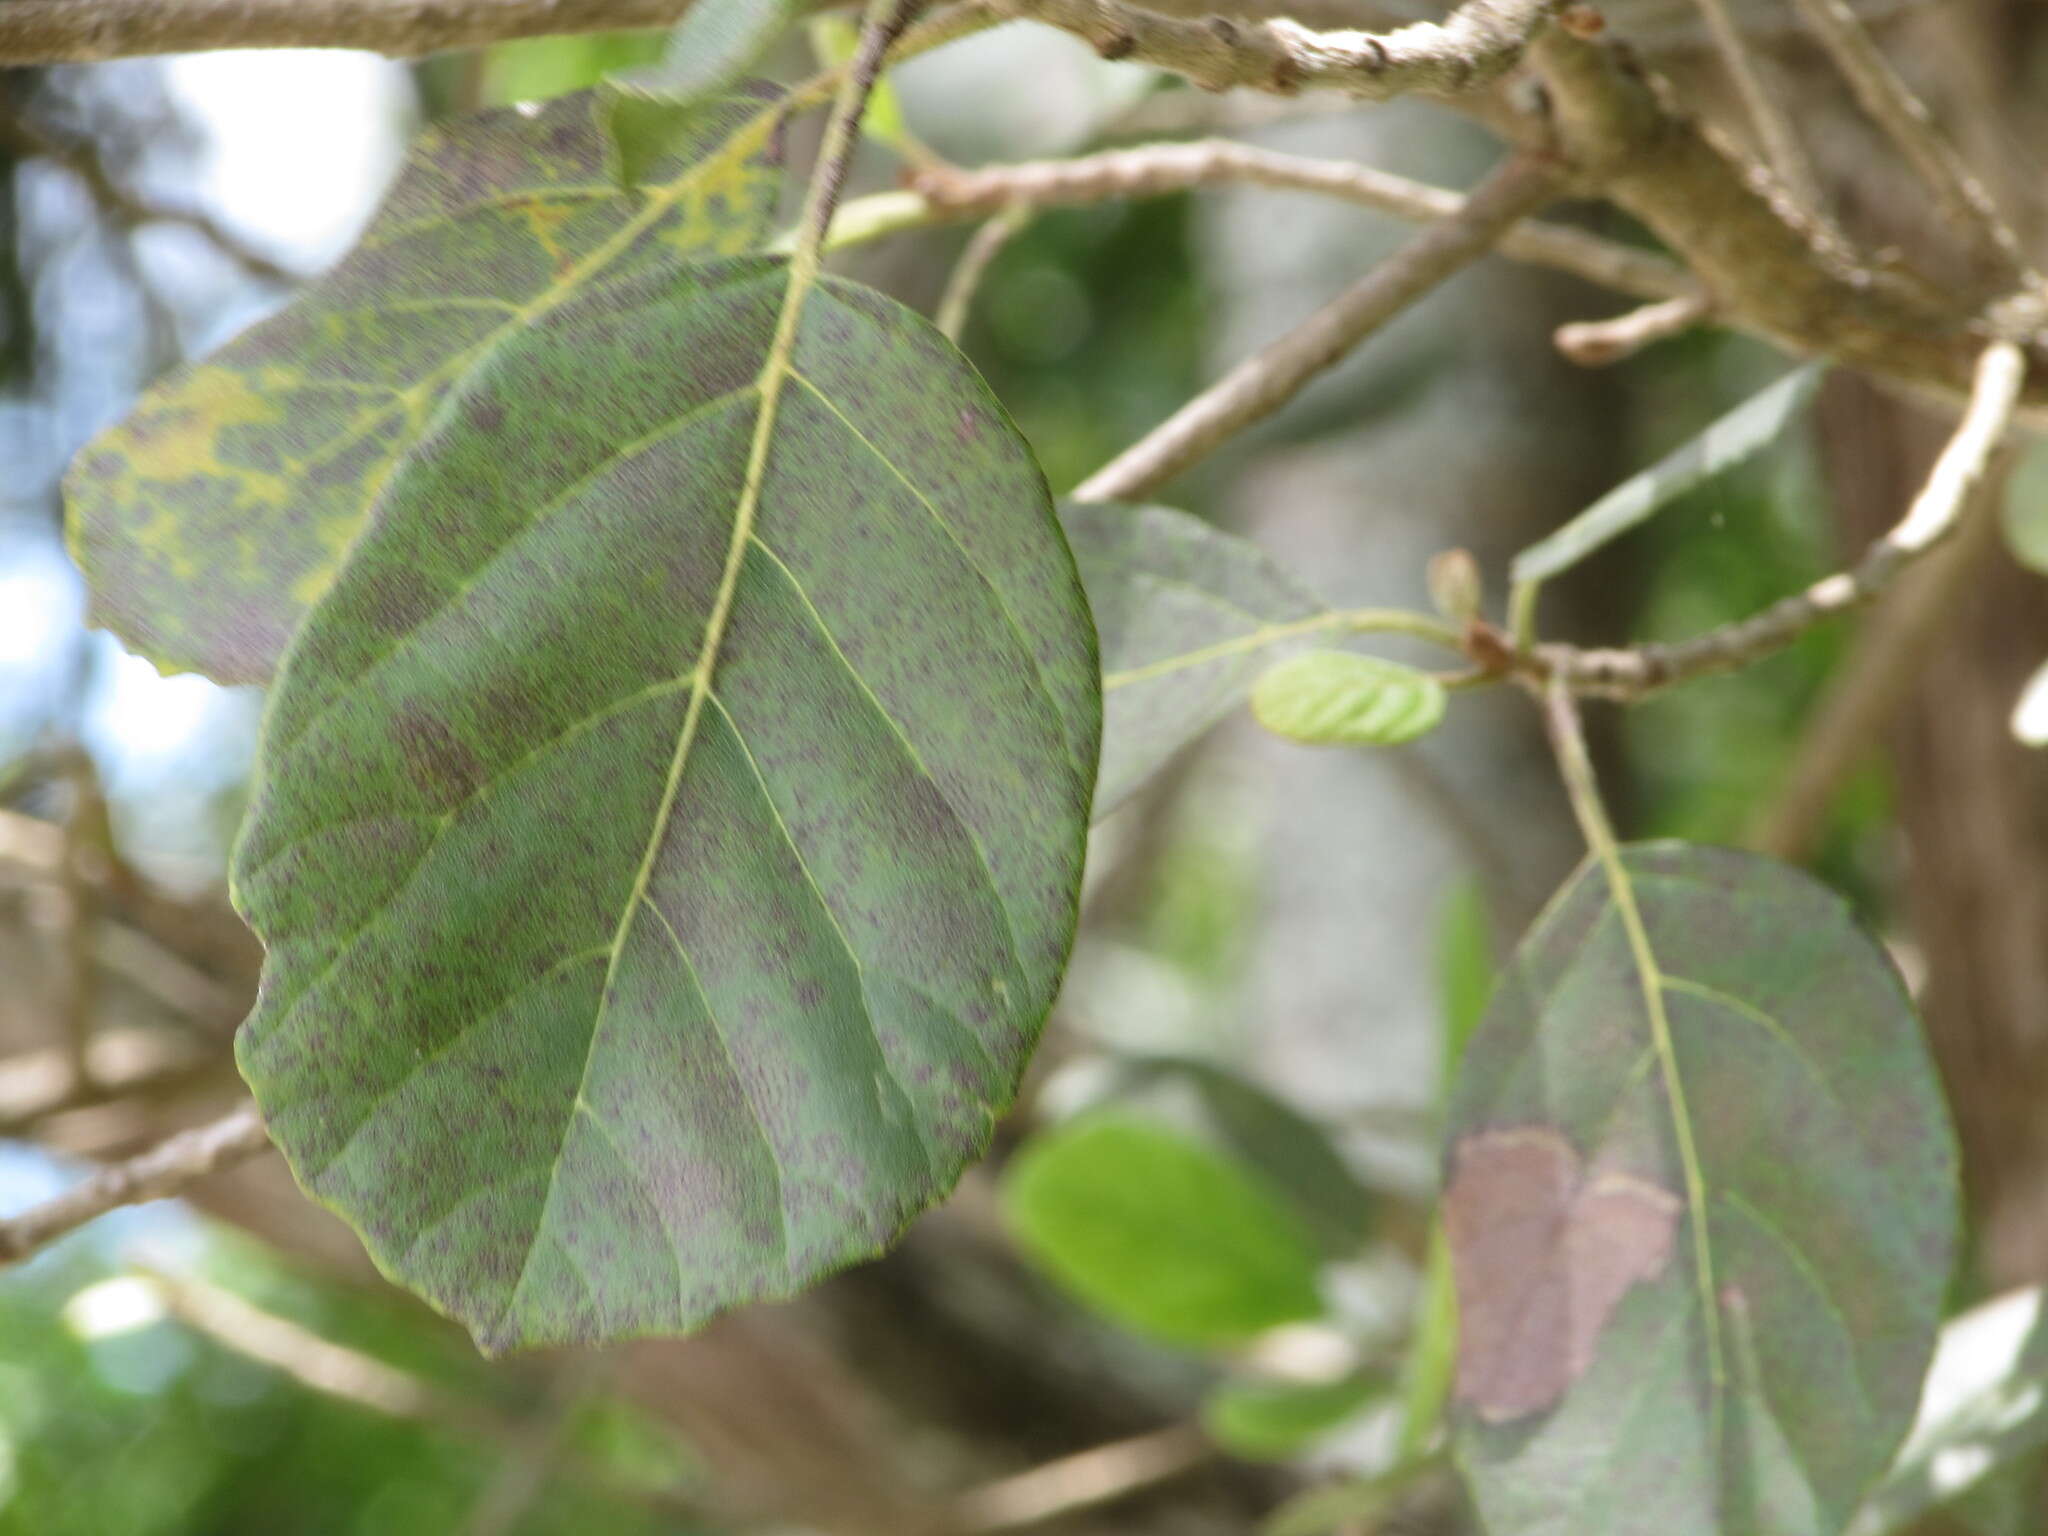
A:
[(1759, 1382), (215, 514), (594, 1020), (1184, 613)]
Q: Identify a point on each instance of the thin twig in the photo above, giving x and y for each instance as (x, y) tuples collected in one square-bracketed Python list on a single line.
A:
[(127, 1064), (157, 1174), (1472, 47), (1082, 1481), (1902, 115), (1769, 270), (1782, 149), (1267, 380), (973, 265), (1631, 673), (1599, 343), (128, 208), (1155, 170), (87, 855), (320, 1365)]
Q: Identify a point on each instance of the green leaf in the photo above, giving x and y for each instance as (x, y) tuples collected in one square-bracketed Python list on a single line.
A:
[(663, 885), (1701, 1209), (1339, 698), (1188, 616), (1985, 1405), (1283, 1146), (656, 111), (1273, 1420), (1160, 1232), (1464, 969), (213, 517), (1748, 429)]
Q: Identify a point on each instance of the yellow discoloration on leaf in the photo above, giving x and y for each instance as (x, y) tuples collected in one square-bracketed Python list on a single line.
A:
[(166, 496)]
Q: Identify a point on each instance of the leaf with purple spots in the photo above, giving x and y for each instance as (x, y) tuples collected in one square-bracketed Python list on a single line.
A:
[(1701, 1209), (212, 518), (663, 897)]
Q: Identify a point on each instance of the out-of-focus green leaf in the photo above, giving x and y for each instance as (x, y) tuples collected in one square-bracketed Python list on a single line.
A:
[(536, 68), (1160, 1232), (1985, 1404), (654, 112), (216, 514), (1432, 1356), (1749, 428), (1188, 616), (662, 888), (2023, 509), (1340, 698), (1283, 1146), (1273, 1420), (1464, 970), (1701, 1209)]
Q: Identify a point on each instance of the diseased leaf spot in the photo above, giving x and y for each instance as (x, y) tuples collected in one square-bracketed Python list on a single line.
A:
[(1542, 1252)]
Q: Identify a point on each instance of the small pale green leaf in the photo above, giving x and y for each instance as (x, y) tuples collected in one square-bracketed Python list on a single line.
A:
[(1160, 1232), (622, 967), (1701, 1206), (1748, 429), (215, 515), (1340, 698), (2030, 710), (1273, 1420), (1188, 617), (1985, 1406)]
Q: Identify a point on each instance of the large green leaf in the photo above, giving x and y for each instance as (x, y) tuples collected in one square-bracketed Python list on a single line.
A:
[(1160, 1231), (1701, 1207), (212, 517), (1189, 618), (623, 966)]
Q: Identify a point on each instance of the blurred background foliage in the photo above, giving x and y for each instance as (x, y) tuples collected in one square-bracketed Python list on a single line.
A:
[(1212, 1208)]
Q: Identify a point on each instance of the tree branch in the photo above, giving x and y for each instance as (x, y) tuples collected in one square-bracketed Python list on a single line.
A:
[(1774, 131), (28, 139), (1155, 170), (1902, 115), (1598, 343), (1767, 266), (1631, 673), (1474, 46), (1268, 379), (82, 31), (160, 1172)]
